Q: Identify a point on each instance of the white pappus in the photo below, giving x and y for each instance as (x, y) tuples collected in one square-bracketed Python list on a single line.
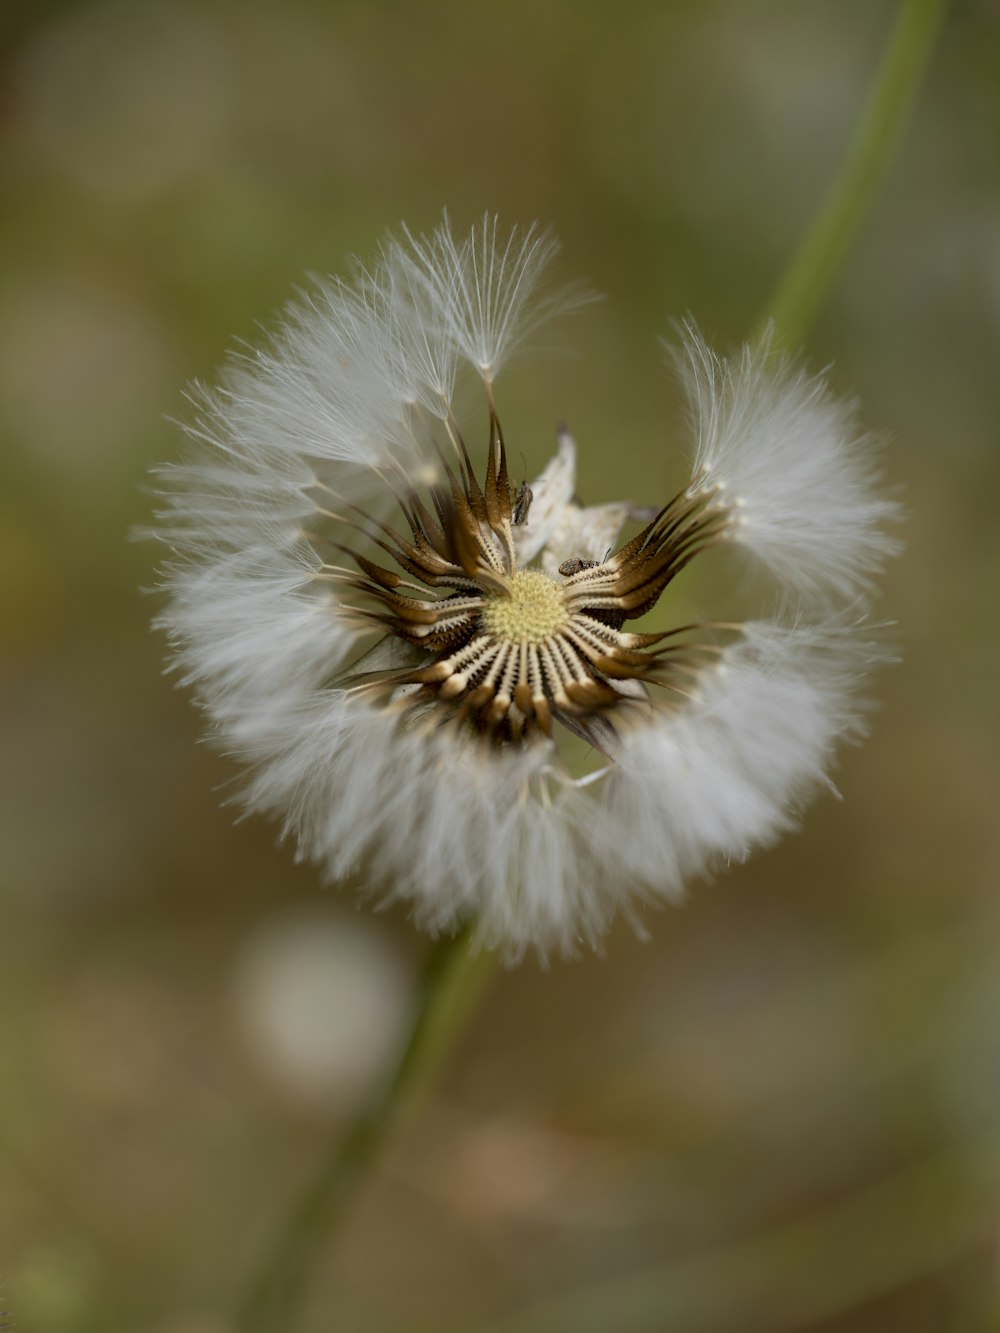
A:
[(397, 643)]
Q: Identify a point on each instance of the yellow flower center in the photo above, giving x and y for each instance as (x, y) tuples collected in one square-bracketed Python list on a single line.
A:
[(535, 609)]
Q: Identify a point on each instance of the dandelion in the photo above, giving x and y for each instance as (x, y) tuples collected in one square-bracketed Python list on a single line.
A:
[(406, 650)]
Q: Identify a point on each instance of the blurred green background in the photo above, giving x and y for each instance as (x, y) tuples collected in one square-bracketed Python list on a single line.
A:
[(783, 1113)]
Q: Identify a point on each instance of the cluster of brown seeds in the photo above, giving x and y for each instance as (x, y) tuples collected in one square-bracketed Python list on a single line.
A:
[(509, 650)]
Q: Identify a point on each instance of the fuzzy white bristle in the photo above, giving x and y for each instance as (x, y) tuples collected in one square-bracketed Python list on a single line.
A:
[(338, 414)]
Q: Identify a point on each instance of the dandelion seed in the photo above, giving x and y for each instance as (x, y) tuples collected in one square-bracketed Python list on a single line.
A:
[(398, 642)]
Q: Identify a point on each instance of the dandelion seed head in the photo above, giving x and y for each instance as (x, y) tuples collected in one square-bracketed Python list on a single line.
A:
[(403, 648)]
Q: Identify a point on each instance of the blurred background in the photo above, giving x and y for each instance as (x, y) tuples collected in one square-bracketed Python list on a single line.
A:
[(783, 1112)]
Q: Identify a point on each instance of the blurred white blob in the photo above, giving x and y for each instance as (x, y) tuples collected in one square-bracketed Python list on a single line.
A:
[(126, 100), (322, 999)]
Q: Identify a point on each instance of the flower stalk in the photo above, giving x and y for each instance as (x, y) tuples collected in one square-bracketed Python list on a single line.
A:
[(455, 975), (806, 281)]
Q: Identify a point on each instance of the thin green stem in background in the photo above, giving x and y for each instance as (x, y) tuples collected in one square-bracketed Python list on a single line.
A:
[(806, 282), (454, 977)]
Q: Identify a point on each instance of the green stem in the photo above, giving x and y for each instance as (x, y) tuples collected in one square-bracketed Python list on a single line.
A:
[(806, 282), (454, 976)]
